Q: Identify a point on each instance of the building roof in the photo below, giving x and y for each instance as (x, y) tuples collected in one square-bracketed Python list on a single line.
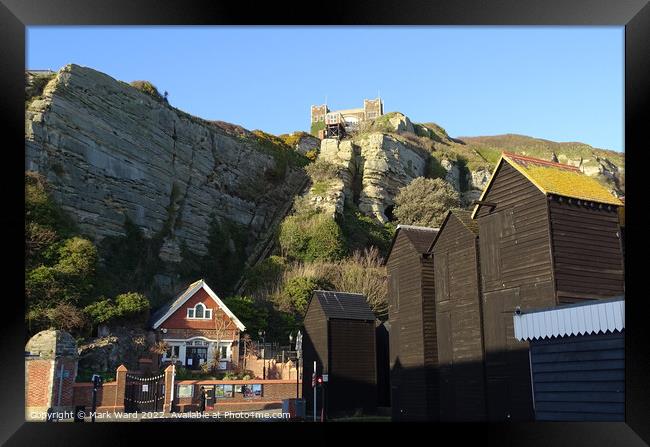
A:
[(419, 237), (343, 305), (555, 178), (575, 319), (465, 217), (172, 306)]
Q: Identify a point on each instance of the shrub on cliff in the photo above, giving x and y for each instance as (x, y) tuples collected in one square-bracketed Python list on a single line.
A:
[(297, 291), (148, 88), (266, 272), (321, 170), (310, 236), (425, 202), (126, 307)]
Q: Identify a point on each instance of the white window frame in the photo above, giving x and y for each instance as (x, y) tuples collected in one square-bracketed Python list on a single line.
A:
[(173, 347), (191, 312)]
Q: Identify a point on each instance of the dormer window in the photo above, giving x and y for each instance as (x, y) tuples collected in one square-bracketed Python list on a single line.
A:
[(199, 312)]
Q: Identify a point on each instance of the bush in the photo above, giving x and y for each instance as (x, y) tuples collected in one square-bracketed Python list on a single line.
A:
[(78, 257), (148, 88), (297, 292), (68, 318), (425, 202), (311, 236), (127, 307), (316, 127), (361, 231), (267, 271), (41, 209), (312, 154), (132, 306), (321, 170), (252, 313)]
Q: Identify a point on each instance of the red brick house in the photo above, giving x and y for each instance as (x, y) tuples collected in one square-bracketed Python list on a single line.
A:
[(198, 328)]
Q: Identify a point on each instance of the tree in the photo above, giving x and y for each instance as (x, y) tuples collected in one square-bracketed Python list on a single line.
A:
[(252, 313), (223, 325), (425, 202)]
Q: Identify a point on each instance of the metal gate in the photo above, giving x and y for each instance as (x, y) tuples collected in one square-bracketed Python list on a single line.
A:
[(144, 393)]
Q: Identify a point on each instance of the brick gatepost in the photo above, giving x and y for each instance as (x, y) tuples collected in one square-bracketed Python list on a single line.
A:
[(50, 373), (120, 388), (169, 383)]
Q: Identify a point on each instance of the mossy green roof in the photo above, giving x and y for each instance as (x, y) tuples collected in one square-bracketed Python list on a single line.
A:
[(556, 178)]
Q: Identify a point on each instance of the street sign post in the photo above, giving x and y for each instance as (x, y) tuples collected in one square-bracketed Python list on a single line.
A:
[(313, 384)]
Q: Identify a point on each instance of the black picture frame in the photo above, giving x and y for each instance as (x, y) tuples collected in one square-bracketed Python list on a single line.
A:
[(633, 14)]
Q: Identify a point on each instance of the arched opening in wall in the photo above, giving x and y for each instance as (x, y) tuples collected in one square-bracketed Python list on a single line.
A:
[(388, 212)]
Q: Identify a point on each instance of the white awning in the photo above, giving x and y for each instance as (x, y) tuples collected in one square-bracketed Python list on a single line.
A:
[(580, 319)]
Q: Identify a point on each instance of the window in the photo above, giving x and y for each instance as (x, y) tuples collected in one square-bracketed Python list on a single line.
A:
[(252, 391), (173, 351), (224, 391), (185, 390), (199, 312), (224, 352)]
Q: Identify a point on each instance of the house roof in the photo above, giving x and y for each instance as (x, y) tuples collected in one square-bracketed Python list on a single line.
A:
[(555, 178), (465, 217), (172, 306), (343, 305), (419, 237), (591, 317)]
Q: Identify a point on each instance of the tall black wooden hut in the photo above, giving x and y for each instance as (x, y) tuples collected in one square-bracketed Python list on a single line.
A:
[(459, 319), (413, 346), (577, 358), (339, 334), (548, 235), (382, 340)]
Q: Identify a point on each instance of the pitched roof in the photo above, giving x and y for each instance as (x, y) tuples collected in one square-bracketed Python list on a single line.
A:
[(419, 237), (465, 217), (555, 178), (343, 305), (172, 306)]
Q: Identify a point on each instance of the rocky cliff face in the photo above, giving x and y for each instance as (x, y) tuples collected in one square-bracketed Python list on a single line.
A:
[(110, 151), (392, 151)]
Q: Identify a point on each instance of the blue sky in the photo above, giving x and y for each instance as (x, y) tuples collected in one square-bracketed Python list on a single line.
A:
[(558, 83)]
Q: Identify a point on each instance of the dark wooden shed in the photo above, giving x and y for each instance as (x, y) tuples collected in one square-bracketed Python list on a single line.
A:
[(577, 357), (339, 334), (459, 319), (548, 235), (413, 346), (382, 341)]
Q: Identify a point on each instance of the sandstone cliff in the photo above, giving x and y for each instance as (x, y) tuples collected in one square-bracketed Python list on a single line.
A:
[(110, 151), (391, 151)]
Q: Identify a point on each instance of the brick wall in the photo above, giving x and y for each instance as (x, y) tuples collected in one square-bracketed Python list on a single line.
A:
[(106, 395), (273, 392), (38, 383)]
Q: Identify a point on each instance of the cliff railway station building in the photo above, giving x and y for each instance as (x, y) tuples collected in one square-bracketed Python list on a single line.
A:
[(338, 123), (542, 236)]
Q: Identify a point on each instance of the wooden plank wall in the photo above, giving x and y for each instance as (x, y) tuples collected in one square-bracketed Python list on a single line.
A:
[(314, 347), (516, 270), (579, 378), (587, 251), (382, 338), (458, 313), (351, 367), (516, 249), (408, 377)]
